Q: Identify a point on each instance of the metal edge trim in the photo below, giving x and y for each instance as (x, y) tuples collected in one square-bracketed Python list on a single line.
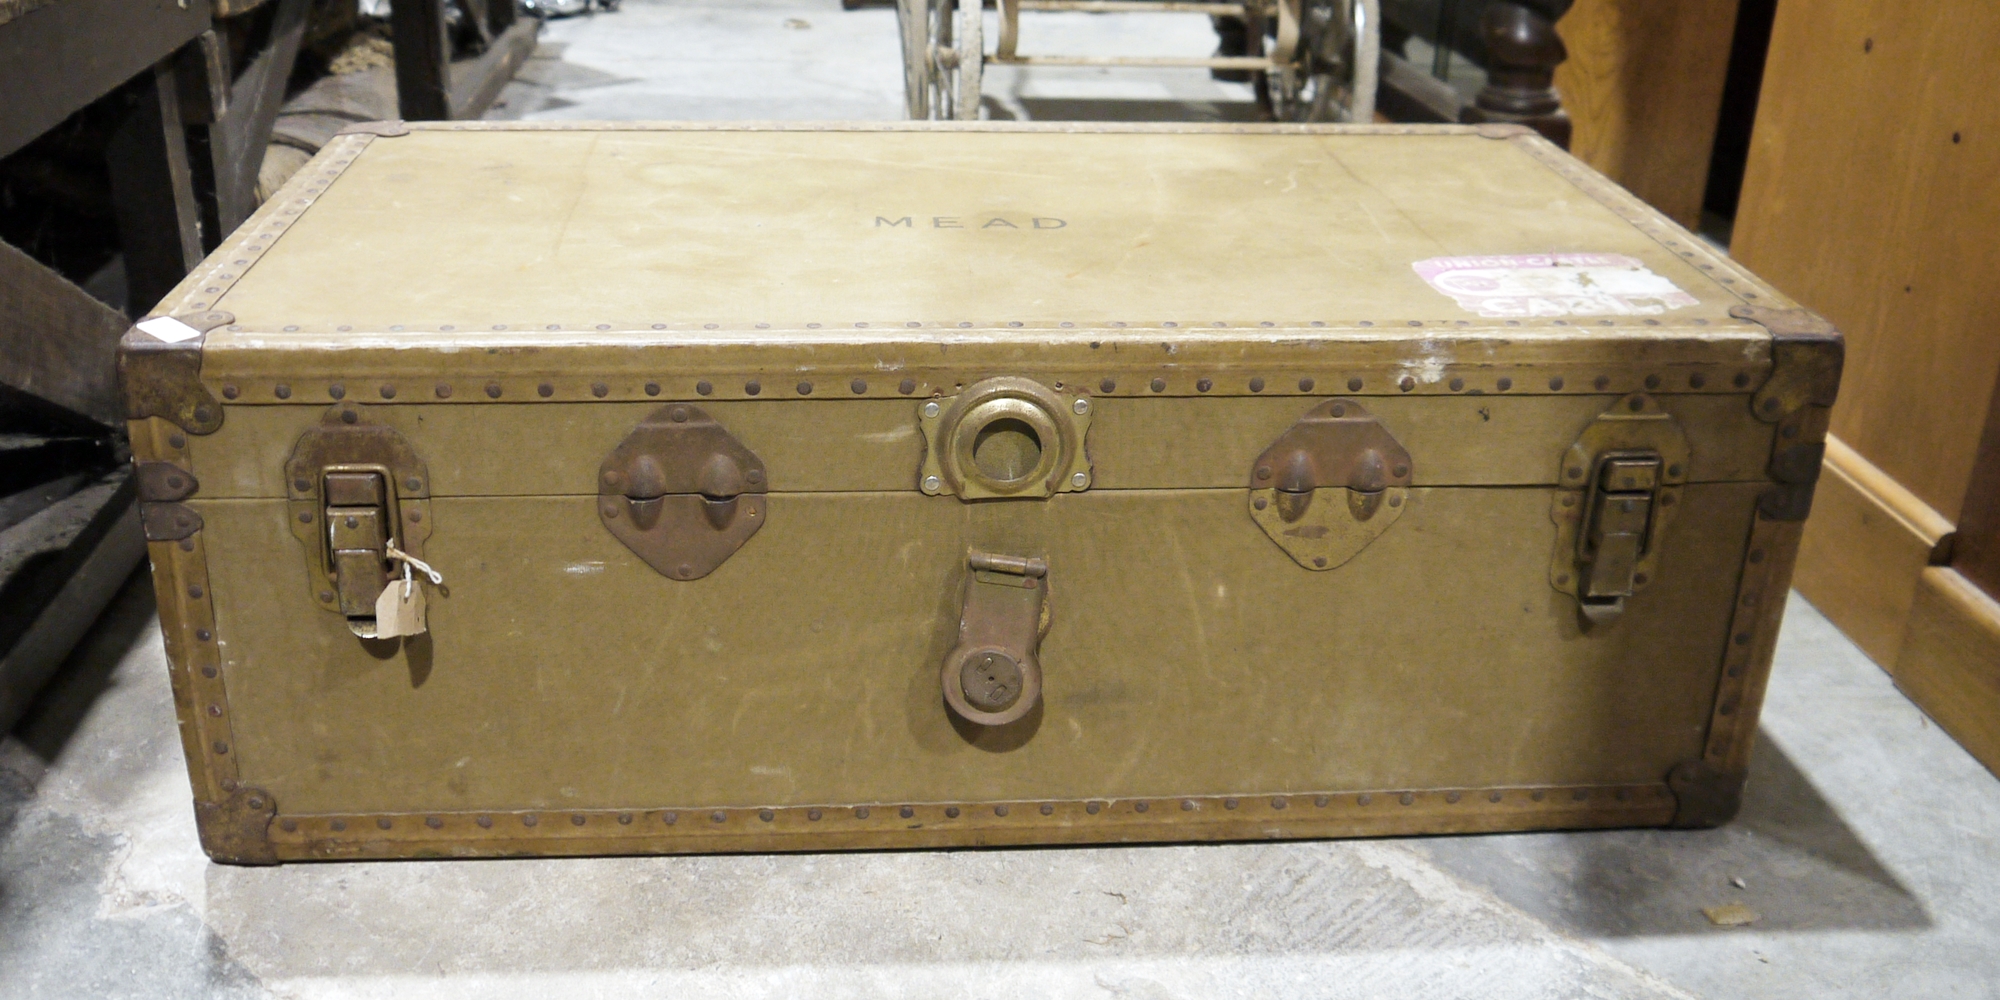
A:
[(969, 824)]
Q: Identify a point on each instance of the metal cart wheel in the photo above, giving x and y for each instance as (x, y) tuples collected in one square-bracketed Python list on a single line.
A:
[(1332, 73), (943, 56)]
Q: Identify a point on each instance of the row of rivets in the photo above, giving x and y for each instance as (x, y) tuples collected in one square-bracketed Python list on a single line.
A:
[(719, 817)]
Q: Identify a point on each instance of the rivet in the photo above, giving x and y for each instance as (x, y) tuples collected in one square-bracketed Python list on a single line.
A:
[(861, 812), (336, 390), (325, 596), (753, 387), (1407, 383), (230, 392), (1493, 796), (932, 409), (443, 391), (1159, 385), (1556, 384), (545, 390), (1203, 385), (1354, 384), (1771, 405), (1538, 795), (1742, 638), (932, 484), (413, 484), (599, 389), (1562, 580), (718, 816), (485, 822), (337, 825), (1278, 803), (187, 545), (1259, 504), (857, 387), (1229, 803), (652, 388), (1574, 472), (194, 591), (1079, 479), (349, 417), (907, 386), (1305, 385), (433, 822), (684, 570), (1187, 805), (1697, 380), (1457, 384), (813, 815), (1091, 808), (805, 388), (1407, 798), (766, 815), (1319, 562), (906, 812), (1364, 799), (951, 812), (1081, 407), (1107, 386), (625, 819), (670, 818), (530, 820), (215, 711), (1652, 381), (1320, 801), (1256, 385), (384, 823), (678, 414), (1263, 472), (1400, 470), (703, 387), (1047, 809), (492, 390), (1601, 381), (576, 819), (1505, 384), (1395, 501), (388, 392), (1741, 380), (288, 825), (203, 634), (1451, 797)]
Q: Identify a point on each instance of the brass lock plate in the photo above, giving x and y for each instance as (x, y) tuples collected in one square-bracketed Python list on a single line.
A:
[(1330, 484), (352, 486), (1004, 437), (993, 676), (681, 492), (1619, 487)]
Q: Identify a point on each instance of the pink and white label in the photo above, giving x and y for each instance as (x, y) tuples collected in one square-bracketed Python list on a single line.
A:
[(1558, 284)]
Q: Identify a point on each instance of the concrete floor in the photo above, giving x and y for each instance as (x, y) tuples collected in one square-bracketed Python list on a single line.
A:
[(1869, 845)]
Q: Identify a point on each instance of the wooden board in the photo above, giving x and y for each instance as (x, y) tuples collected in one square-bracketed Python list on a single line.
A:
[(1869, 197), (1643, 87), (1950, 661), (1867, 542)]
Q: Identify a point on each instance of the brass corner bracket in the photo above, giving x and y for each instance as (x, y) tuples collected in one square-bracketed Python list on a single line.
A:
[(237, 830)]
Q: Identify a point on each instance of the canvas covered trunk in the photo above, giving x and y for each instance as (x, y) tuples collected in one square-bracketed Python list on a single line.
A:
[(812, 487)]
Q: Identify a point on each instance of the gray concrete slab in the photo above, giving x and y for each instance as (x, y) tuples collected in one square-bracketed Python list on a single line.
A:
[(1869, 845)]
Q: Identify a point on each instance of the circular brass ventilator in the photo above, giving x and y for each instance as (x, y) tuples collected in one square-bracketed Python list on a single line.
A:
[(1005, 437)]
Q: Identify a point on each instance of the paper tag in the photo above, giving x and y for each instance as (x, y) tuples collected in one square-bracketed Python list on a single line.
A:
[(397, 615), (169, 329), (1555, 284)]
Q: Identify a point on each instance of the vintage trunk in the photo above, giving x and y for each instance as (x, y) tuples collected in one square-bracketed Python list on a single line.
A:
[(1123, 483)]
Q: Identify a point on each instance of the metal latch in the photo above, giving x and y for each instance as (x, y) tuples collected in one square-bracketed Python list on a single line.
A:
[(681, 492), (993, 677), (357, 519), (1330, 484), (355, 489), (1621, 484)]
